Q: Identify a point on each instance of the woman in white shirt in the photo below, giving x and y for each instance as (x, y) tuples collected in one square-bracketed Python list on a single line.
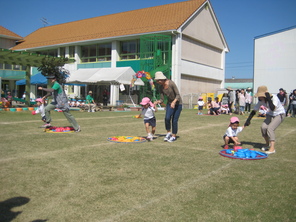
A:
[(274, 117)]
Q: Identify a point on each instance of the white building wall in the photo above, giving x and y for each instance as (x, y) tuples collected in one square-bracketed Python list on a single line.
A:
[(275, 61)]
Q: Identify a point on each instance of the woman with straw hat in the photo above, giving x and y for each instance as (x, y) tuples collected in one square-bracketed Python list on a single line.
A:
[(173, 107), (274, 117)]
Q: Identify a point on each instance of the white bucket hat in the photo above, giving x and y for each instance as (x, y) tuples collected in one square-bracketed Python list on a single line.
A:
[(160, 76)]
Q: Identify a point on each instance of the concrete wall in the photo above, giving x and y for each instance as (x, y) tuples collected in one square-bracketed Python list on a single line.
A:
[(275, 61)]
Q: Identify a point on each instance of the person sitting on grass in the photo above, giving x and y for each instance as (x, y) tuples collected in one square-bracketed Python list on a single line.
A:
[(148, 111), (230, 135), (224, 109), (90, 102), (213, 106)]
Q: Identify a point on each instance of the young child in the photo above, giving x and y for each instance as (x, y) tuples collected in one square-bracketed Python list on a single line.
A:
[(200, 104), (230, 135), (262, 111), (148, 110), (40, 109), (224, 109)]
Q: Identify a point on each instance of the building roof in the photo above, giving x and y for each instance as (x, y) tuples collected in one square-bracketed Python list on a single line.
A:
[(276, 32), (238, 80), (147, 20), (4, 32)]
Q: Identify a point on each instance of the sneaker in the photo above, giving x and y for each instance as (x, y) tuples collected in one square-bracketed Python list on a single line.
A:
[(167, 137), (265, 148), (172, 139), (150, 137), (78, 130), (46, 125)]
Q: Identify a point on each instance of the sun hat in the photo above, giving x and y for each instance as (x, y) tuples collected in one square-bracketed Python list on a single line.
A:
[(234, 119), (146, 101), (200, 98), (39, 100), (261, 91), (160, 76), (229, 88)]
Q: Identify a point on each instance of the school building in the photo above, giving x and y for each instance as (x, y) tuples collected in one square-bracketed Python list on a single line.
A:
[(184, 40)]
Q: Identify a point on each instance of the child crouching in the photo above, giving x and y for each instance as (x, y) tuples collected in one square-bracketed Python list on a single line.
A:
[(230, 135)]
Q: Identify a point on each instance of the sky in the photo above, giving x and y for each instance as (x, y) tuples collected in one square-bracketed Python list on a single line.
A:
[(240, 20)]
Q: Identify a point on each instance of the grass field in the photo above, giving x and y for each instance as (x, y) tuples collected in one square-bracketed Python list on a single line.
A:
[(84, 177)]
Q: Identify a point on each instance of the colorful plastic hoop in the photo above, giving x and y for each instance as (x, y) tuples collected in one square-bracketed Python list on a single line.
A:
[(127, 139), (243, 154)]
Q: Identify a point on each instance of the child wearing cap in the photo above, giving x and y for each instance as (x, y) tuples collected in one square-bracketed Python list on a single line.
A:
[(200, 104), (40, 109), (230, 135), (148, 111)]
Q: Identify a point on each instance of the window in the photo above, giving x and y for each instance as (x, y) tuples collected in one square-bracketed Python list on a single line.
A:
[(53, 52), (130, 50), (71, 52), (96, 53), (62, 52), (16, 67), (7, 66), (104, 52)]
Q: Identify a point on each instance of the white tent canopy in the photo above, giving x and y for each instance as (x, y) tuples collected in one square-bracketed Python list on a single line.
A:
[(119, 75)]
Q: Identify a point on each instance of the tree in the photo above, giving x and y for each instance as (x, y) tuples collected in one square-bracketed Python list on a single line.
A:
[(54, 66)]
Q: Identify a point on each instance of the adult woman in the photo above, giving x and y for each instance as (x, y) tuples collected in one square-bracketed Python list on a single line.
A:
[(241, 102), (59, 101), (173, 106), (248, 96), (274, 117)]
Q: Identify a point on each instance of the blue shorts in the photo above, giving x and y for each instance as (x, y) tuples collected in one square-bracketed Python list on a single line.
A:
[(152, 121)]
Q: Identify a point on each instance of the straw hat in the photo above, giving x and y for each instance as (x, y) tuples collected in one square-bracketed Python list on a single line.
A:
[(261, 91), (90, 92), (160, 76), (229, 88)]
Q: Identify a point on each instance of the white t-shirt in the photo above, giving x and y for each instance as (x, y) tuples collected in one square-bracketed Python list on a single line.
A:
[(233, 132), (148, 113), (279, 109), (200, 103), (41, 110)]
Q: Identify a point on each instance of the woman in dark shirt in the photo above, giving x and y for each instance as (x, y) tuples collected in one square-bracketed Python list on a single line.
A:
[(173, 106)]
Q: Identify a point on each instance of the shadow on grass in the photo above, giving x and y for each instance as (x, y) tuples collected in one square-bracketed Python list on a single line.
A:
[(255, 145), (7, 215)]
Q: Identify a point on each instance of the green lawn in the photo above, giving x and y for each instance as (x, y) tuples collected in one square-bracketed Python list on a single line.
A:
[(84, 177)]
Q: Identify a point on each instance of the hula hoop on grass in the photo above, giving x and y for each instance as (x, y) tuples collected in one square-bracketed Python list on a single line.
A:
[(127, 139), (243, 154), (55, 129)]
